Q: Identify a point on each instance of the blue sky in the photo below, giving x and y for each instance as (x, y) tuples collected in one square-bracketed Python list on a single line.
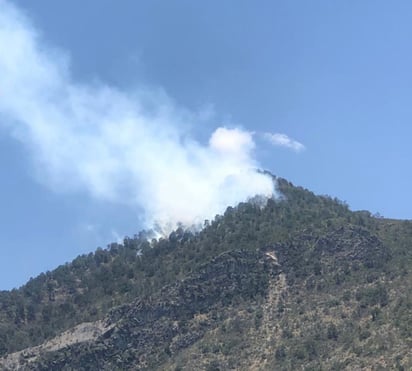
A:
[(334, 77)]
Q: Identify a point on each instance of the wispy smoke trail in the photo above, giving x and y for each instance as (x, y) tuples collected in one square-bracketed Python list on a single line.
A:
[(112, 144), (282, 140)]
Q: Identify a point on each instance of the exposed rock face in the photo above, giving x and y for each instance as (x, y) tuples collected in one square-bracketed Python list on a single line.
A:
[(141, 334), (85, 332), (339, 249)]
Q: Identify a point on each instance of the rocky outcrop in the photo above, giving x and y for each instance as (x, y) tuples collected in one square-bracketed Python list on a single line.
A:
[(147, 331)]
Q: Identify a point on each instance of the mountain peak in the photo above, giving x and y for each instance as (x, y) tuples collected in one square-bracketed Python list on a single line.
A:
[(301, 281)]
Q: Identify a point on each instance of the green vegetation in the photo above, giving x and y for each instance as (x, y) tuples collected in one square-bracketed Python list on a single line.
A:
[(337, 294)]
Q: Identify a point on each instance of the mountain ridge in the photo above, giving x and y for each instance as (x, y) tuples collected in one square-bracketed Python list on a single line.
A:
[(334, 268)]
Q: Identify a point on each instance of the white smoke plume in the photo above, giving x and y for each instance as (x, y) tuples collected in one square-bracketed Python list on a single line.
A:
[(88, 136)]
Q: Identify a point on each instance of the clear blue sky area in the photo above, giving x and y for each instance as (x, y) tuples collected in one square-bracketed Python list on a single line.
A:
[(334, 76)]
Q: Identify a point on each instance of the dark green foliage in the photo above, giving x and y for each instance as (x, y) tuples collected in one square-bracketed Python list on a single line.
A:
[(376, 295), (332, 332)]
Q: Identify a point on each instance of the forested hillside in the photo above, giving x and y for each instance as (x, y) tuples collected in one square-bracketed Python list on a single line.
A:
[(301, 283)]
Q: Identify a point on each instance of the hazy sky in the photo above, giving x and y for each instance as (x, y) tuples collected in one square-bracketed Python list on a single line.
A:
[(316, 92)]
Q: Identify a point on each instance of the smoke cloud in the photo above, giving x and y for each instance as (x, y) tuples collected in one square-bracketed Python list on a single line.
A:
[(124, 147)]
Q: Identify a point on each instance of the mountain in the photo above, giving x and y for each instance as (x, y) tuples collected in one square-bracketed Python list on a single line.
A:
[(300, 283)]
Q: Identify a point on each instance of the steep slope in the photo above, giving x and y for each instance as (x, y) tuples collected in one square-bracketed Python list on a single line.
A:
[(302, 283), (148, 331), (87, 288)]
